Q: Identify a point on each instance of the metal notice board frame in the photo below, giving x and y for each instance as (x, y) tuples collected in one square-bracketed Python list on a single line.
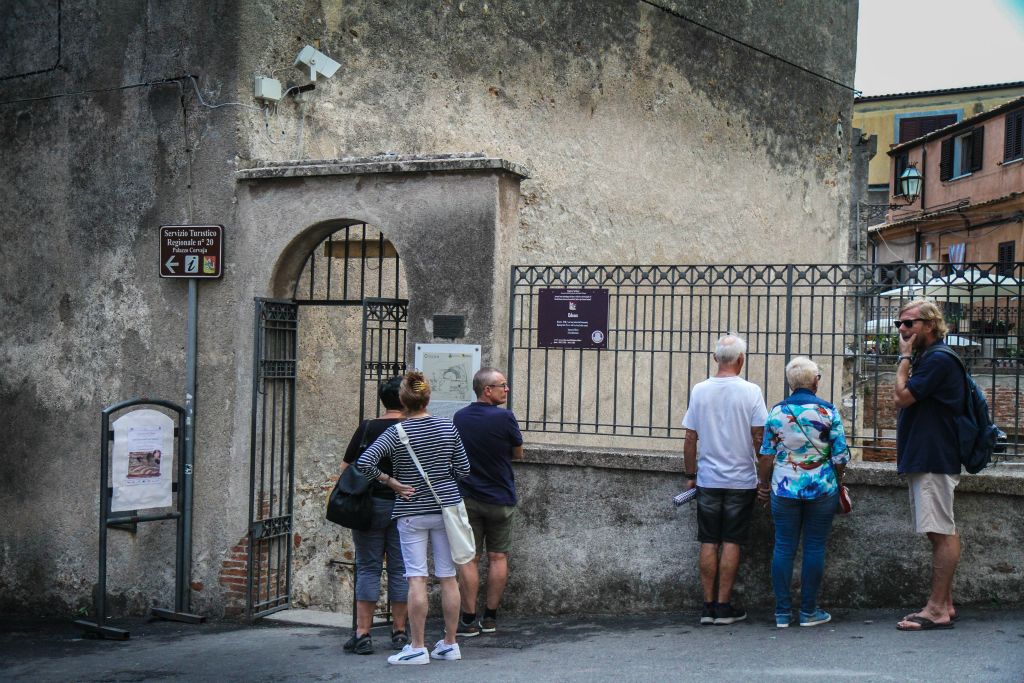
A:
[(129, 521)]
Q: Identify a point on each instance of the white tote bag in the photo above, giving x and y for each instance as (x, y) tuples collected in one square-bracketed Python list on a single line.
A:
[(456, 521)]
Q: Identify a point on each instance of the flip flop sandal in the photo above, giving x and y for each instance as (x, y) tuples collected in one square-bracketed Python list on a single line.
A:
[(925, 624)]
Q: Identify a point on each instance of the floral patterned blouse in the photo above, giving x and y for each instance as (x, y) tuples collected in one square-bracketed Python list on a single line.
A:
[(804, 433)]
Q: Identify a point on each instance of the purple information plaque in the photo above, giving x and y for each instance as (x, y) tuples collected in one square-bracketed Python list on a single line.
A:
[(572, 318)]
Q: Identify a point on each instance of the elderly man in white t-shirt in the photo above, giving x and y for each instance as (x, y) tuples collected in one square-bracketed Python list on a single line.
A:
[(724, 421)]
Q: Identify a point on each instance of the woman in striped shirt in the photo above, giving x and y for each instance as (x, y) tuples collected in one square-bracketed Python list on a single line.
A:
[(441, 454)]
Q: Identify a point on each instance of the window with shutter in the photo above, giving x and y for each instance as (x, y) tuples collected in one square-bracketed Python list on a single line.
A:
[(977, 138), (912, 127), (1007, 256), (1013, 144), (962, 155), (900, 166), (946, 160)]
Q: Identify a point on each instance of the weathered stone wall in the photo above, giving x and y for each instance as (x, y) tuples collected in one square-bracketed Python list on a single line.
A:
[(597, 532), (98, 150), (648, 139)]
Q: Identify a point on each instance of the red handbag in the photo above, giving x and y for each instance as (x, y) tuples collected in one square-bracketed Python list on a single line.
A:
[(845, 504)]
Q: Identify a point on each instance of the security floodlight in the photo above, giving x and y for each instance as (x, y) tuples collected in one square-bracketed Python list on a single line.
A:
[(317, 61)]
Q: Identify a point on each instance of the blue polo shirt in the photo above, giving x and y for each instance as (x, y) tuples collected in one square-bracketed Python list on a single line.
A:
[(926, 438), (489, 434)]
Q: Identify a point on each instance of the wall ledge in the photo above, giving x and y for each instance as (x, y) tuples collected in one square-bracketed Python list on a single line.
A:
[(381, 164), (1003, 479)]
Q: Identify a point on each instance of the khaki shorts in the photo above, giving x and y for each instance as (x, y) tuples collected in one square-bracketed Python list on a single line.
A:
[(931, 502), (492, 525)]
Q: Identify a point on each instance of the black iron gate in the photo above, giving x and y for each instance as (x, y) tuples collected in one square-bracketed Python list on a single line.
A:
[(383, 351), (272, 457)]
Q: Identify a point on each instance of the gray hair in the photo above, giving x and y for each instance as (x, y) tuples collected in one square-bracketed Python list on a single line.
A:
[(482, 378), (729, 348), (801, 372)]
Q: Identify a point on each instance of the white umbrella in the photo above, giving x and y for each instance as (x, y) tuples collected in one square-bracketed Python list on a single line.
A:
[(885, 326), (960, 285)]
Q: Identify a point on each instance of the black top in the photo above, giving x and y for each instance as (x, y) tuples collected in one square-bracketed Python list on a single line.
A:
[(372, 429)]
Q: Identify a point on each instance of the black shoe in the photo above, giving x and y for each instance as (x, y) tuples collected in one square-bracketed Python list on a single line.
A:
[(707, 615), (728, 614), (364, 645), (350, 643), (399, 639), (467, 630)]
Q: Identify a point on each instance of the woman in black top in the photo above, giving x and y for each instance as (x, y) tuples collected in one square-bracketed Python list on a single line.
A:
[(382, 537)]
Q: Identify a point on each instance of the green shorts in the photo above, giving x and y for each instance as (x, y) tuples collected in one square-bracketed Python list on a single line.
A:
[(492, 525)]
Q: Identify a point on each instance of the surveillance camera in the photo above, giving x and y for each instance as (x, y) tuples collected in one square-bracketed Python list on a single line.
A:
[(317, 61)]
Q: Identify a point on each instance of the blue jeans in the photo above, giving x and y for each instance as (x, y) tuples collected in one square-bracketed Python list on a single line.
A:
[(371, 546), (812, 518)]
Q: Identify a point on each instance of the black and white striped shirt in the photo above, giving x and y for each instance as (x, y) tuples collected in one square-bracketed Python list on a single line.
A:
[(440, 452)]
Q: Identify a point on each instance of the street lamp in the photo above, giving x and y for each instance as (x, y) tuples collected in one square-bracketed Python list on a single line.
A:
[(910, 184)]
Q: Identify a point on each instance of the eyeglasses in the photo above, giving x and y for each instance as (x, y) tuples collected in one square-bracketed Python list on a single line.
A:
[(503, 385), (908, 323)]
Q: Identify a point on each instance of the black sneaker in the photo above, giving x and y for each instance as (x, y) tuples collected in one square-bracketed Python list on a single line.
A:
[(350, 643), (707, 615), (399, 639), (364, 645), (467, 630), (728, 614)]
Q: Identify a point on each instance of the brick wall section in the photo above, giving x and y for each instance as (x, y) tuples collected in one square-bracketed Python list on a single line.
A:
[(232, 578), (1006, 404)]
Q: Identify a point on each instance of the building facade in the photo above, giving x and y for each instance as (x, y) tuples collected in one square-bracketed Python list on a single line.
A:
[(455, 140)]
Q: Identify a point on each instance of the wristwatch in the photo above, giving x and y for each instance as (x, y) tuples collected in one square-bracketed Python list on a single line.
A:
[(690, 476), (900, 359)]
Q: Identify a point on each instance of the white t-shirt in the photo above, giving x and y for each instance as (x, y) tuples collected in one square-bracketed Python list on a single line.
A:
[(722, 411)]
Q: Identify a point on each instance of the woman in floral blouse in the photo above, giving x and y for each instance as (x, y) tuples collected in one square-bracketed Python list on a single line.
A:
[(800, 470)]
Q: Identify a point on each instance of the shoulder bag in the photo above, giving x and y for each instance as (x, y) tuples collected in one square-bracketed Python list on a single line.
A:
[(350, 503), (845, 502), (456, 521)]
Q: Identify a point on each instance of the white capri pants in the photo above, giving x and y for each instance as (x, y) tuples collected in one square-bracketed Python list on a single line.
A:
[(414, 532)]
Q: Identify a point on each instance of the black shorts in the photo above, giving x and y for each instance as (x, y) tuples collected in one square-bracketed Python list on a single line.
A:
[(723, 515)]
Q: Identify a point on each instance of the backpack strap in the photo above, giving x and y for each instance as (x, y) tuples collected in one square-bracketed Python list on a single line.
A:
[(945, 350)]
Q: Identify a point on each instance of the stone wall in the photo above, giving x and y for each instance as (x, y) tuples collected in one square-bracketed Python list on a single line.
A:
[(597, 532)]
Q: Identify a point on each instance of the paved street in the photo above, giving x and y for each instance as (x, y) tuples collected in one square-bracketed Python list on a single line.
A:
[(986, 645)]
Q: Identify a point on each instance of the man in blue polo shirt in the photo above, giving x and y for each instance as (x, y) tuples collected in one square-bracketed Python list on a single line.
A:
[(929, 394), (492, 439)]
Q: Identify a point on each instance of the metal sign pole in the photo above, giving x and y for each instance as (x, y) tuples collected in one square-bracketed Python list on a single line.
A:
[(185, 578), (183, 586)]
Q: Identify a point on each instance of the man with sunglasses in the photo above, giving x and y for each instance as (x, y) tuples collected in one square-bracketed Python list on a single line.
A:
[(929, 393), (492, 439)]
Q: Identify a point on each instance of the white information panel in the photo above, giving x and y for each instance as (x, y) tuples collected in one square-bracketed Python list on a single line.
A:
[(142, 463), (449, 369)]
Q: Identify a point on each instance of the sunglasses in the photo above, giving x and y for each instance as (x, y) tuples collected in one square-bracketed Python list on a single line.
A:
[(908, 323)]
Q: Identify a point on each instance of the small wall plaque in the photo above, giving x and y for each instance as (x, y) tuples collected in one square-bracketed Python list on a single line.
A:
[(449, 326)]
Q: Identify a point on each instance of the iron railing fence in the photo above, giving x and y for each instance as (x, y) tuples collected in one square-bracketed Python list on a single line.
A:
[(663, 322)]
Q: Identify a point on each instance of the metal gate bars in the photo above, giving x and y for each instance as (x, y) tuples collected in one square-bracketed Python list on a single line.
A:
[(663, 322), (272, 457)]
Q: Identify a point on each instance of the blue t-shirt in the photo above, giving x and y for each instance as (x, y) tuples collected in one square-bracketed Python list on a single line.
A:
[(926, 438), (490, 433)]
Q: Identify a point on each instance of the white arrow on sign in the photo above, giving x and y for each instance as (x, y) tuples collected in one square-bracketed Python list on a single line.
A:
[(171, 265)]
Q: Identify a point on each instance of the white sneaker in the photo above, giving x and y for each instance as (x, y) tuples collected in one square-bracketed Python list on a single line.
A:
[(410, 655), (445, 651)]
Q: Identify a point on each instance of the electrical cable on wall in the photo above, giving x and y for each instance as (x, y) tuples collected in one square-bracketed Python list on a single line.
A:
[(747, 45)]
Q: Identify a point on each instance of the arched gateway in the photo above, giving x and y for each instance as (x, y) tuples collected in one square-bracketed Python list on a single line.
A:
[(341, 312)]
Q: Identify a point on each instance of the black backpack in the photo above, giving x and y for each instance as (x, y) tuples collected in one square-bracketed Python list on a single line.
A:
[(351, 503), (978, 435)]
